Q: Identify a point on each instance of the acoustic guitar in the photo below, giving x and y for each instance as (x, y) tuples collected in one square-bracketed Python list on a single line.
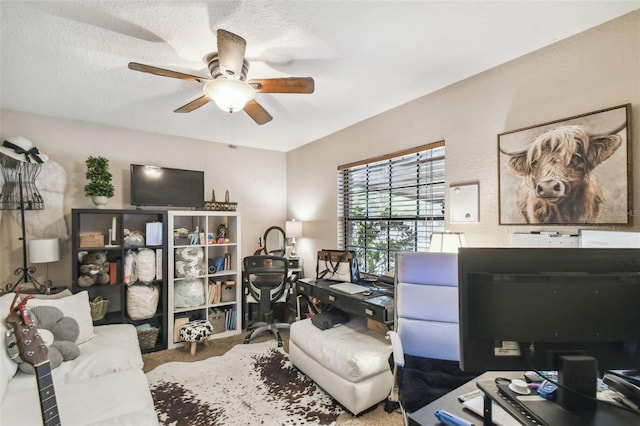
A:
[(33, 350)]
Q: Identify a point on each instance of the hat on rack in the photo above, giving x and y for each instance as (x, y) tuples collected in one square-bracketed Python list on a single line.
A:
[(22, 149)]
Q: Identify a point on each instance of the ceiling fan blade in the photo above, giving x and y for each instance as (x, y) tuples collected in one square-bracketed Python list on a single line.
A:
[(284, 85), (195, 104), (231, 49), (165, 73), (257, 112)]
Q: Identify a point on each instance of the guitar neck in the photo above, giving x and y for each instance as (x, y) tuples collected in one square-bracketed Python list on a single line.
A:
[(47, 393)]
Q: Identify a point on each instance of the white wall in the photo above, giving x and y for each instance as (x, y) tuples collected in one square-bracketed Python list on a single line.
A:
[(255, 178), (593, 70)]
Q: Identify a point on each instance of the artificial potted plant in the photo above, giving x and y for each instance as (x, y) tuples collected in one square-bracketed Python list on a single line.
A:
[(99, 187)]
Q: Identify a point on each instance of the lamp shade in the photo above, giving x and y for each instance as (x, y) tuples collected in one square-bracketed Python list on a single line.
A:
[(447, 242), (230, 95), (293, 229), (44, 251)]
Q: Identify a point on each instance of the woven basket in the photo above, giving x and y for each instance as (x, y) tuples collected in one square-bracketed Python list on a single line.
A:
[(225, 206), (148, 338), (99, 308)]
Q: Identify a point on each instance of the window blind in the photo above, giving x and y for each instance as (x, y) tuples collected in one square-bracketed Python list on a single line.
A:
[(391, 203)]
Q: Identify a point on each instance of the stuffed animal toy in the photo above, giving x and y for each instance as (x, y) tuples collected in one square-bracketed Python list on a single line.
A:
[(94, 269), (59, 333), (221, 235)]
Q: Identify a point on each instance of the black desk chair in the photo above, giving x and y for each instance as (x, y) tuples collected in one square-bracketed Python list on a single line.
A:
[(266, 279)]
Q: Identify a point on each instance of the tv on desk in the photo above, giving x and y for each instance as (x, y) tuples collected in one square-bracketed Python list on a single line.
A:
[(522, 308)]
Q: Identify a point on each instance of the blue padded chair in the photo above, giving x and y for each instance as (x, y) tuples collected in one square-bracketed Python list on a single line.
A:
[(425, 340)]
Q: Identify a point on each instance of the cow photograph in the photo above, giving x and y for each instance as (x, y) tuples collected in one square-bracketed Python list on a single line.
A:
[(572, 171)]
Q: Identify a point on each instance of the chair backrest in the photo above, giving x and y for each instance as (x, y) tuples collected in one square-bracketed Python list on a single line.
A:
[(426, 304), (266, 278)]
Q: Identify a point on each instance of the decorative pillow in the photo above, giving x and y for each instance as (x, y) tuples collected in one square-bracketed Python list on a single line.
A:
[(64, 293), (58, 332), (75, 306)]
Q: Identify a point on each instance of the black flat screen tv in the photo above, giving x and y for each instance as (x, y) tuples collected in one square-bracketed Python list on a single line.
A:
[(166, 187)]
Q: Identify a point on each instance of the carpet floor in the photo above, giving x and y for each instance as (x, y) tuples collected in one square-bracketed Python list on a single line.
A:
[(373, 417)]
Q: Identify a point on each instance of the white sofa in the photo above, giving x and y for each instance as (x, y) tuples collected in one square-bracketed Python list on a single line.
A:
[(104, 385), (350, 362)]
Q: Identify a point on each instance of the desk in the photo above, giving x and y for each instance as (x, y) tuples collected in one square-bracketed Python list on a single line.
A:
[(377, 306), (449, 402), (549, 412)]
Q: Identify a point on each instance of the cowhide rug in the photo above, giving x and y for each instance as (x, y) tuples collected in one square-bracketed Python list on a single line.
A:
[(252, 384)]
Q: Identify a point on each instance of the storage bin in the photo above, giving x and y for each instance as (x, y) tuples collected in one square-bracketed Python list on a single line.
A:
[(217, 320), (99, 307), (189, 262), (91, 239), (148, 338), (228, 293), (187, 293), (142, 301)]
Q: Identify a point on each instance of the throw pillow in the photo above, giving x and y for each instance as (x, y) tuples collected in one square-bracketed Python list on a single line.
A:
[(75, 306), (58, 332), (64, 293)]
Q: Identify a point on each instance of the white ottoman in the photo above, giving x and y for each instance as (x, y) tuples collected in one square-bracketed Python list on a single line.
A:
[(350, 362)]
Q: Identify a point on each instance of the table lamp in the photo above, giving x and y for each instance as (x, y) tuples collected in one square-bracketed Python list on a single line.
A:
[(446, 242), (44, 251), (293, 230)]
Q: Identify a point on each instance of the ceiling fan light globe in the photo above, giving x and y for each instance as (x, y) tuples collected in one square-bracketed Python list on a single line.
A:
[(229, 94)]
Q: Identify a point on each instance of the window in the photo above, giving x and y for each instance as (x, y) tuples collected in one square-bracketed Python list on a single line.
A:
[(391, 203)]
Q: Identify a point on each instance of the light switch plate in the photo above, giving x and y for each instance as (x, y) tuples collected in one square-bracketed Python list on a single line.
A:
[(463, 200)]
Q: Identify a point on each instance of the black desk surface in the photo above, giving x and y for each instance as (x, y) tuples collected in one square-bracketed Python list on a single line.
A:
[(450, 403), (550, 412), (378, 305)]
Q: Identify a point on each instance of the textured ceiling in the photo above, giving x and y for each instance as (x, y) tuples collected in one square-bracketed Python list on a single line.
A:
[(69, 58)]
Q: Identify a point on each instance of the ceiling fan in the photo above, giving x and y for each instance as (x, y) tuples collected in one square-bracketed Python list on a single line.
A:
[(227, 86)]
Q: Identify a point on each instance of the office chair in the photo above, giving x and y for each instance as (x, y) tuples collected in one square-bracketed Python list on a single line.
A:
[(266, 280), (425, 340)]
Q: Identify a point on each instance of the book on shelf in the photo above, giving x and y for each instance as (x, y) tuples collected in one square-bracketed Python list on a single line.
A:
[(230, 318), (113, 272), (158, 264), (218, 292), (211, 289)]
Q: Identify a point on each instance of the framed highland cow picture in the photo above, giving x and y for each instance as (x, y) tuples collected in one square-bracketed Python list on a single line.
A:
[(574, 171)]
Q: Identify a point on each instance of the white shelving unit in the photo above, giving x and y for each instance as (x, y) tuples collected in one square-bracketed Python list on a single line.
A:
[(202, 227)]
